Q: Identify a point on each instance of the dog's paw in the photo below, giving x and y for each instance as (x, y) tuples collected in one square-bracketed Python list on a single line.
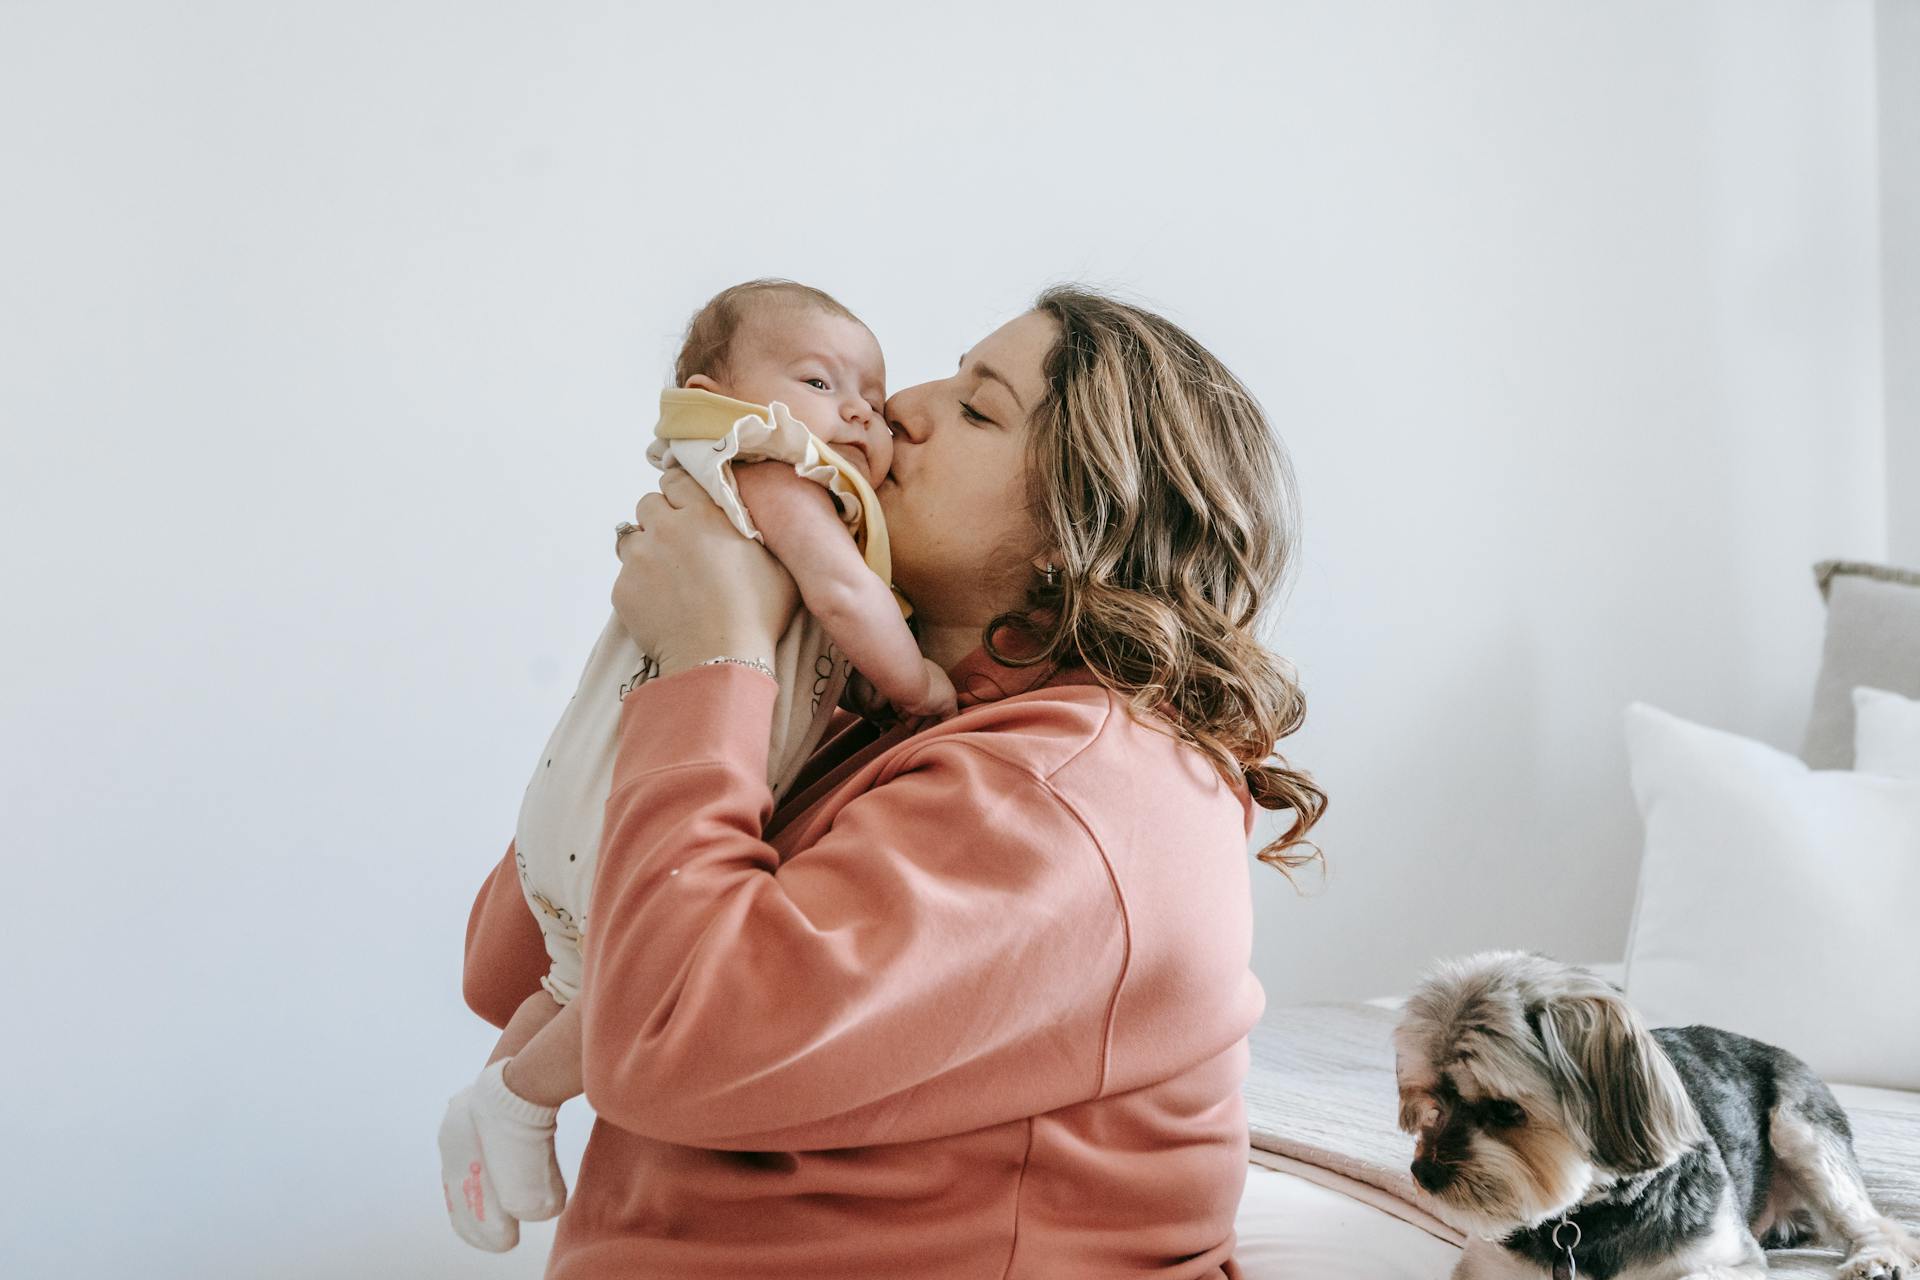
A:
[(1877, 1263)]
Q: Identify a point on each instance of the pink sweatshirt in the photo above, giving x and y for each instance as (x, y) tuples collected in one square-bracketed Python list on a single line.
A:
[(972, 1004)]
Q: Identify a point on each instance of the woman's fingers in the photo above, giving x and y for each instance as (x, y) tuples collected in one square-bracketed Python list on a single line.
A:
[(680, 488), (677, 490), (690, 586)]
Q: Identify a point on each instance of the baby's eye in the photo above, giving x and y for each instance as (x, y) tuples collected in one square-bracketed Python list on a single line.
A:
[(818, 384)]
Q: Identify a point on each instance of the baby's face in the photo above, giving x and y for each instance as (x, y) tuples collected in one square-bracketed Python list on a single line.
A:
[(827, 369)]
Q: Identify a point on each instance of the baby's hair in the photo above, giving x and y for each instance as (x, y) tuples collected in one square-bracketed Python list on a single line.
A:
[(710, 334)]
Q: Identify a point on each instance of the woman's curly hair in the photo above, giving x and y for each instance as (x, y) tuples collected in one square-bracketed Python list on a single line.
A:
[(1171, 508)]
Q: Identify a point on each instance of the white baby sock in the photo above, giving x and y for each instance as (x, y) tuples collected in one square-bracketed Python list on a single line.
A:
[(517, 1137), (472, 1203)]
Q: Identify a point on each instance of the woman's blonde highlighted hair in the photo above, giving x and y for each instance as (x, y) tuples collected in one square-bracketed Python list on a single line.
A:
[(1170, 506)]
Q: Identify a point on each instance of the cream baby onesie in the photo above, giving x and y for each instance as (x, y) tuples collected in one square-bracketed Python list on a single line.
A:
[(557, 840)]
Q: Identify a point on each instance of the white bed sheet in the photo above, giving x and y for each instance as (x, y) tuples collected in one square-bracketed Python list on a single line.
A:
[(1293, 1229)]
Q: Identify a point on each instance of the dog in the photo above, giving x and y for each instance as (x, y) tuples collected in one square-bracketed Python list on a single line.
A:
[(1574, 1142)]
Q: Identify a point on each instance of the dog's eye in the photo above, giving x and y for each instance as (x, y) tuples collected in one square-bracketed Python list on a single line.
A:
[(1505, 1115)]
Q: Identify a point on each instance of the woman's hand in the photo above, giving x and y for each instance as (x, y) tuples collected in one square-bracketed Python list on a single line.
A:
[(691, 588)]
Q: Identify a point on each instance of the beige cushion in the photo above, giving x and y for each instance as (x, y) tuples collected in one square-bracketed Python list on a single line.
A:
[(1873, 639)]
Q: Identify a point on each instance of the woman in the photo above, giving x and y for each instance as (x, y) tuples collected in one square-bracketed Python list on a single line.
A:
[(974, 1001)]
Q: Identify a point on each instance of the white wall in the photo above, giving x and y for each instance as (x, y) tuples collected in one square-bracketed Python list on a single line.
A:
[(1589, 375), (1897, 38), (331, 337)]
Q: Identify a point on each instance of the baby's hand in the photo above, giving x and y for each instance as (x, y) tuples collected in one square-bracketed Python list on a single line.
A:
[(939, 700), (861, 698)]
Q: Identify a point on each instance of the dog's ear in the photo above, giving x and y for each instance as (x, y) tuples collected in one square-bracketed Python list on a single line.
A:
[(1412, 1075), (1637, 1113), (1413, 1109)]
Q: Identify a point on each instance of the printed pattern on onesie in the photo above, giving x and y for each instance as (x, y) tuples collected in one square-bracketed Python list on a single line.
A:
[(563, 809)]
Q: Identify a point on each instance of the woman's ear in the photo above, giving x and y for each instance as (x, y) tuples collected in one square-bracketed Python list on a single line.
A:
[(701, 382)]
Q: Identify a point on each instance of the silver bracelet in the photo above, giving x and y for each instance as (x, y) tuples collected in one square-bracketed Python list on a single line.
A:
[(755, 663)]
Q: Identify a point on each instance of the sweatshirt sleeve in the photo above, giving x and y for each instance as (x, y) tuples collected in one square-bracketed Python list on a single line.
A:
[(505, 954), (945, 957)]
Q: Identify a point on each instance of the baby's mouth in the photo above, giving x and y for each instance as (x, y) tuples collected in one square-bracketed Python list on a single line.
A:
[(857, 454)]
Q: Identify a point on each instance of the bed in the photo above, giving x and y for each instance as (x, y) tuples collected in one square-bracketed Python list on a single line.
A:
[(1329, 1193)]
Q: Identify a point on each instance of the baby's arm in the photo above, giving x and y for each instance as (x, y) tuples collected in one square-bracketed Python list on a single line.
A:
[(802, 528)]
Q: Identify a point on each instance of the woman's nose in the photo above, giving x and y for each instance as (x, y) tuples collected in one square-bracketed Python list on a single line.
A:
[(903, 417)]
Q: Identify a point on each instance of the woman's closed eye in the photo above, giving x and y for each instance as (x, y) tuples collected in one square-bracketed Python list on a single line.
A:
[(972, 414)]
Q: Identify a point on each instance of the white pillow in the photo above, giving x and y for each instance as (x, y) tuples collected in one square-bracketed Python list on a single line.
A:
[(1886, 733), (1777, 901)]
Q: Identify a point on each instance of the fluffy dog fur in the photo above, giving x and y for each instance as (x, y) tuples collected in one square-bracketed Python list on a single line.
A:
[(1537, 1094)]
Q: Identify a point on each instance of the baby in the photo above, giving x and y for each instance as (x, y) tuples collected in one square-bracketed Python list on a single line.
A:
[(778, 415)]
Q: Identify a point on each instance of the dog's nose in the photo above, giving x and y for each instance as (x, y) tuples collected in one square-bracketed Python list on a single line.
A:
[(1431, 1174)]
